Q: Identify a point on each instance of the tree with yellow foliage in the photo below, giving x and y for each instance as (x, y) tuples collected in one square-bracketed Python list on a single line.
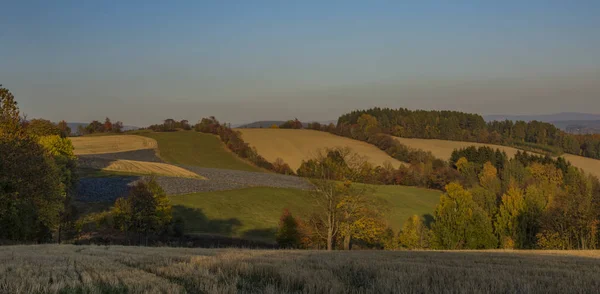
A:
[(414, 234), (508, 224)]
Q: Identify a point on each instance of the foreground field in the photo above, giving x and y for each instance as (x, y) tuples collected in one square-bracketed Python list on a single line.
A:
[(293, 146), (197, 149), (111, 144), (116, 269), (443, 149), (253, 213)]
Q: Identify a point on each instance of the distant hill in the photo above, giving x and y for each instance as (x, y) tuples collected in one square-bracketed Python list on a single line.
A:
[(556, 117), (579, 126), (268, 123)]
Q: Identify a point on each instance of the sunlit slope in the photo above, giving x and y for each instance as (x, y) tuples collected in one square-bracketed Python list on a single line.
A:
[(197, 149), (111, 144), (293, 146), (253, 213), (443, 149)]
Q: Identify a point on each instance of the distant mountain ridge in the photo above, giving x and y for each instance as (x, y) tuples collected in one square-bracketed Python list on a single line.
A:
[(555, 117)]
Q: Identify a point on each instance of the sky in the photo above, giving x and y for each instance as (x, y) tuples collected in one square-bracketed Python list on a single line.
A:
[(241, 61)]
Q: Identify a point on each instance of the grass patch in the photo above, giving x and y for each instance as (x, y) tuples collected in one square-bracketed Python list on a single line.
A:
[(253, 213), (197, 149)]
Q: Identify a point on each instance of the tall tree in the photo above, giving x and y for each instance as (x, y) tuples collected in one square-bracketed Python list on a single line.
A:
[(460, 223)]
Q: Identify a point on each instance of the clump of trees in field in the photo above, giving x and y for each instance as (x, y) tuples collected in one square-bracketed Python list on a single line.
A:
[(37, 177), (234, 142), (460, 126), (171, 125), (95, 127)]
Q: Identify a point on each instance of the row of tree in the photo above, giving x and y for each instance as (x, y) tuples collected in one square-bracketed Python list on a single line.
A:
[(97, 127), (460, 126), (234, 142), (171, 125)]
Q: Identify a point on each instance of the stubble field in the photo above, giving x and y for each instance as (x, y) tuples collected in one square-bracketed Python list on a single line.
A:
[(293, 146), (117, 269)]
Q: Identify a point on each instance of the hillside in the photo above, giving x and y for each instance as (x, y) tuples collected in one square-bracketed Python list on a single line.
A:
[(293, 146), (253, 213), (197, 149), (443, 149)]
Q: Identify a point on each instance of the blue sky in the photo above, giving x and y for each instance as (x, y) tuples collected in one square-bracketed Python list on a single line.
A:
[(143, 61)]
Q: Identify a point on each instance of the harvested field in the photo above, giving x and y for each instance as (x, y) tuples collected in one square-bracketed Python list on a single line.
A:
[(118, 269), (294, 146), (443, 149), (136, 167), (111, 144)]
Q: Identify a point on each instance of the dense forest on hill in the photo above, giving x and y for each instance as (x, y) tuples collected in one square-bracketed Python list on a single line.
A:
[(460, 126)]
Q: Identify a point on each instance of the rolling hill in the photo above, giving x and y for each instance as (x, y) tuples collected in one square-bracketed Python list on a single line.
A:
[(294, 146), (197, 149), (443, 149)]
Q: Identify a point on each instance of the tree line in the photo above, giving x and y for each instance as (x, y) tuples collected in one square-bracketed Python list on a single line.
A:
[(460, 126), (95, 127)]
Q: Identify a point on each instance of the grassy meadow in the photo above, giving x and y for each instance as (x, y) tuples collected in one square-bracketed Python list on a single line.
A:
[(118, 269), (111, 144), (253, 213), (293, 146), (443, 149), (197, 149)]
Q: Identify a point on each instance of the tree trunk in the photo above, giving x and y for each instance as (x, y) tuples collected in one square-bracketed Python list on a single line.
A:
[(347, 242), (329, 238)]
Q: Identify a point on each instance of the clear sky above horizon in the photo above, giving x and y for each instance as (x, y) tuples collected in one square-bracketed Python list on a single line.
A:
[(143, 61)]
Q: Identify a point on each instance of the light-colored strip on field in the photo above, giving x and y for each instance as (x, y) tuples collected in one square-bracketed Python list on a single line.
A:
[(294, 146), (443, 149), (142, 167), (111, 144)]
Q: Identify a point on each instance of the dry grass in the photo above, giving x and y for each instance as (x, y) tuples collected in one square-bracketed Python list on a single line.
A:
[(293, 146), (443, 149), (111, 144), (142, 167), (95, 269)]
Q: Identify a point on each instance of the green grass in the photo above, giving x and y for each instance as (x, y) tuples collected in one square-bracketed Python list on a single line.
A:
[(253, 213), (198, 149)]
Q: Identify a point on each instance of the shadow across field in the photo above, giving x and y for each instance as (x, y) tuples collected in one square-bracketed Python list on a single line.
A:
[(197, 221)]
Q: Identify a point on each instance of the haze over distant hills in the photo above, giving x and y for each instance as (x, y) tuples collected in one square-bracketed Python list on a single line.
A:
[(556, 117)]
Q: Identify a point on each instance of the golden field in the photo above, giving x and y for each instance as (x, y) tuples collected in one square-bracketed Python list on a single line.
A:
[(149, 168), (111, 144), (443, 149), (120, 269), (294, 146)]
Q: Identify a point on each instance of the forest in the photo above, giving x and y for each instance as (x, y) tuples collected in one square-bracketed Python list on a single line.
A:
[(460, 126)]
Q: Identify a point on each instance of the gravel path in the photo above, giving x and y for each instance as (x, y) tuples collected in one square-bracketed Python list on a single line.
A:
[(111, 188), (139, 155)]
